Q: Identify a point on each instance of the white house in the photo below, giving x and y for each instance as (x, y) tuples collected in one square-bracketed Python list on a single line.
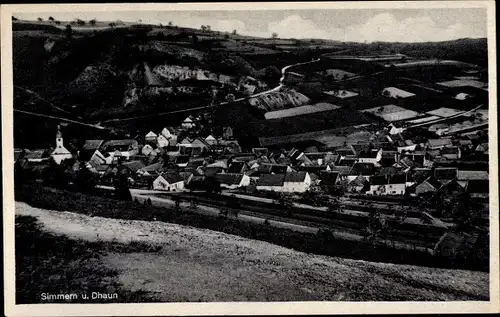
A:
[(60, 153), (147, 149), (169, 182), (188, 123), (371, 156), (394, 130), (167, 133), (296, 182), (162, 141), (232, 180), (151, 136), (210, 140), (384, 185), (125, 148), (271, 182)]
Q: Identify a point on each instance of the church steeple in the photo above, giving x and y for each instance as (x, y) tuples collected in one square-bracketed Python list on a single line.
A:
[(59, 138)]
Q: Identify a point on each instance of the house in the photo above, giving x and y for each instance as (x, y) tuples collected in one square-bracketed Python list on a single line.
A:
[(438, 144), (126, 148), (479, 188), (387, 185), (394, 130), (88, 149), (210, 140), (188, 123), (427, 186), (162, 141), (357, 185), (232, 180), (445, 174), (389, 158), (296, 182), (406, 146), (370, 156), (181, 160), (342, 170), (36, 156), (147, 150), (362, 169), (168, 133), (151, 169), (169, 182), (150, 137), (464, 176), (134, 166), (96, 159), (271, 182), (60, 153), (451, 153), (329, 179), (267, 168), (237, 167)]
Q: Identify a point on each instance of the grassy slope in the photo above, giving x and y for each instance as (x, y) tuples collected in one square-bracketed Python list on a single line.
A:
[(203, 265)]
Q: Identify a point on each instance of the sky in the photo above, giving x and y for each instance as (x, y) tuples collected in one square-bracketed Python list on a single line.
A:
[(356, 25)]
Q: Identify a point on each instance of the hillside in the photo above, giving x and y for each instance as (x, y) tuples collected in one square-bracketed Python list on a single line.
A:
[(97, 73), (204, 265)]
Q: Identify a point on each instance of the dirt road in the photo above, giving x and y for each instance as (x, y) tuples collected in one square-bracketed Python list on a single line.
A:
[(203, 265)]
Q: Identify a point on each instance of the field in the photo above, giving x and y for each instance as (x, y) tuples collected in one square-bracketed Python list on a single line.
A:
[(167, 262)]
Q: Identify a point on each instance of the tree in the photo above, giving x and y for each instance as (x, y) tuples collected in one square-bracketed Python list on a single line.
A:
[(40, 19), (203, 28), (80, 22), (85, 180), (274, 35), (58, 23), (208, 28), (51, 19), (92, 22), (120, 183), (234, 32), (69, 31), (170, 23), (112, 24)]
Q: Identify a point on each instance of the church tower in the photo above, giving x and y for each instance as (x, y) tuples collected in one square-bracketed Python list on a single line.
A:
[(60, 153), (59, 138)]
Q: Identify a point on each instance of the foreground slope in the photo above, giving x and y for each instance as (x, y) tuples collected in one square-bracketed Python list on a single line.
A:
[(203, 265)]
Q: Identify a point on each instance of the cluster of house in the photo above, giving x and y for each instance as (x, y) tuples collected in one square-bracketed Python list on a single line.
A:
[(385, 166)]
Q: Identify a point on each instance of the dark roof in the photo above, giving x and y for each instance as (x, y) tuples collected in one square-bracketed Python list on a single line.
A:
[(134, 166), (445, 172), (181, 159), (342, 170), (212, 171), (481, 186), (92, 144), (266, 168), (368, 154), (360, 148), (229, 178), (195, 163), (86, 154), (397, 179), (348, 161), (271, 180), (329, 178), (312, 169), (152, 168), (379, 180), (236, 167), (450, 150), (36, 154), (364, 169), (438, 142), (172, 177), (295, 177), (122, 145)]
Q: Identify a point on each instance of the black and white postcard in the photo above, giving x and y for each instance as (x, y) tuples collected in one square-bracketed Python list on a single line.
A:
[(250, 158)]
